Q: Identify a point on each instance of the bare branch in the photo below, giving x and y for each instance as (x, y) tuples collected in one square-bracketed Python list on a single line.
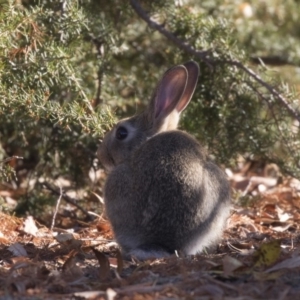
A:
[(99, 47), (292, 111), (204, 56), (56, 209), (66, 198), (275, 60), (10, 158), (283, 136)]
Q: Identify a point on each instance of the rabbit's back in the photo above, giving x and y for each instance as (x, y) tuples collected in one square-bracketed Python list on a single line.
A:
[(163, 193), (170, 197)]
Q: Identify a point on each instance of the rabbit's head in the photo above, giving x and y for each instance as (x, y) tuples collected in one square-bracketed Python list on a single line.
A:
[(170, 98)]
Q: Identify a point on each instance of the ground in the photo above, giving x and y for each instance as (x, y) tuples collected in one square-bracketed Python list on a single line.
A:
[(258, 257)]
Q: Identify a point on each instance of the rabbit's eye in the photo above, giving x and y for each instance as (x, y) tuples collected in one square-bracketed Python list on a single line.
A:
[(121, 133)]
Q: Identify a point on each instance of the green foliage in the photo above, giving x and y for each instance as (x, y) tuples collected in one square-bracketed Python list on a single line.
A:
[(46, 112), (7, 173), (67, 67)]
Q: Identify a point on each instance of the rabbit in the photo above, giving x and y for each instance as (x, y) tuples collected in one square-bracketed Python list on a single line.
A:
[(162, 193)]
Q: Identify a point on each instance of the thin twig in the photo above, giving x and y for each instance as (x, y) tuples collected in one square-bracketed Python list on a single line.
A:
[(56, 208), (10, 158), (275, 60), (98, 99), (293, 112), (283, 136), (203, 55), (99, 44), (67, 199)]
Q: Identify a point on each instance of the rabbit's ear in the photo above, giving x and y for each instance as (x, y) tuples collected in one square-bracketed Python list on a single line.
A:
[(173, 94), (169, 92), (193, 74)]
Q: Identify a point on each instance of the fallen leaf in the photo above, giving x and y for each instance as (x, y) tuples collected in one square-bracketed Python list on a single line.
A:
[(268, 253), (119, 261), (282, 216), (30, 227), (17, 250), (104, 264), (3, 240), (230, 264), (104, 228), (20, 262), (289, 263), (110, 294), (69, 263), (70, 270), (265, 276), (89, 294), (101, 200), (64, 237), (281, 228)]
